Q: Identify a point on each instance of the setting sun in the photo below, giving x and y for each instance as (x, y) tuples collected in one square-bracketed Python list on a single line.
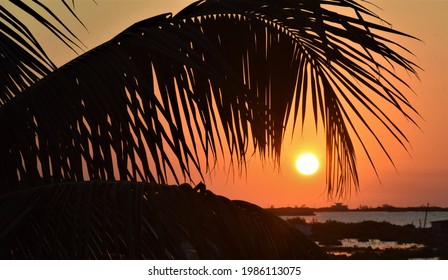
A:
[(307, 164)]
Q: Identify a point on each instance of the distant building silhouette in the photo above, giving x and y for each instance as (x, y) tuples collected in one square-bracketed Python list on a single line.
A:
[(339, 207)]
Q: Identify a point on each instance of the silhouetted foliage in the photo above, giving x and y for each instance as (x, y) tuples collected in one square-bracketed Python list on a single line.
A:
[(218, 77), (167, 97), (124, 220)]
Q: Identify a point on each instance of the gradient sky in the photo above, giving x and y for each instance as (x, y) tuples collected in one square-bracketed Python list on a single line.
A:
[(420, 177)]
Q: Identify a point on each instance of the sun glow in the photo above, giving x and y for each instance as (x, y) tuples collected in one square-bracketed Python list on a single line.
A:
[(307, 164)]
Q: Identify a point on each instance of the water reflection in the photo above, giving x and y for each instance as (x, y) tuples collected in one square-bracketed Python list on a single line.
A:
[(377, 244), (348, 244)]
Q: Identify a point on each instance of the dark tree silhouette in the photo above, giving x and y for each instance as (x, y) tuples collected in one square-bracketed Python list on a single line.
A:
[(165, 96)]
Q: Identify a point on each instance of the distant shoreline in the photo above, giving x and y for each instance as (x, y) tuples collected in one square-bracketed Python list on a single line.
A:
[(307, 211)]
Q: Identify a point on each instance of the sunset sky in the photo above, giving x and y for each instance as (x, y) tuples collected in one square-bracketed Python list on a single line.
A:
[(420, 176)]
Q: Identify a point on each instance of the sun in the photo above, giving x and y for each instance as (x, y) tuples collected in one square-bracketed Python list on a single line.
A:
[(307, 164)]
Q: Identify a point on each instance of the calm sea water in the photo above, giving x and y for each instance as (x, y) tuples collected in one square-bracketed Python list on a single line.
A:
[(397, 218)]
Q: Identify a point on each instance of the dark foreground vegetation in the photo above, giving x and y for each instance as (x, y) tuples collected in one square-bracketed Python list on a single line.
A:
[(129, 220), (409, 242)]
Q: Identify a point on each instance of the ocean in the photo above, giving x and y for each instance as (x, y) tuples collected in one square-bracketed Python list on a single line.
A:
[(398, 218)]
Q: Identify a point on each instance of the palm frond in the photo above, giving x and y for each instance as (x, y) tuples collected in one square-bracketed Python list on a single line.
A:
[(140, 107), (124, 220), (218, 77), (285, 51), (23, 60)]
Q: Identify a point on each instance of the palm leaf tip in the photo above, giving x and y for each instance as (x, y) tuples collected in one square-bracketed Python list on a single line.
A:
[(24, 60)]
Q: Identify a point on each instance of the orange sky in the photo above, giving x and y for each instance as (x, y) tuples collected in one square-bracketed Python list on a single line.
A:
[(420, 178)]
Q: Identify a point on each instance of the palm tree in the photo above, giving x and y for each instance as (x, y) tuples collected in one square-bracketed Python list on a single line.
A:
[(164, 99)]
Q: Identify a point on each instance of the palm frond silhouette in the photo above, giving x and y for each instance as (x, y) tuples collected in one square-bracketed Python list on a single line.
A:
[(215, 79)]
